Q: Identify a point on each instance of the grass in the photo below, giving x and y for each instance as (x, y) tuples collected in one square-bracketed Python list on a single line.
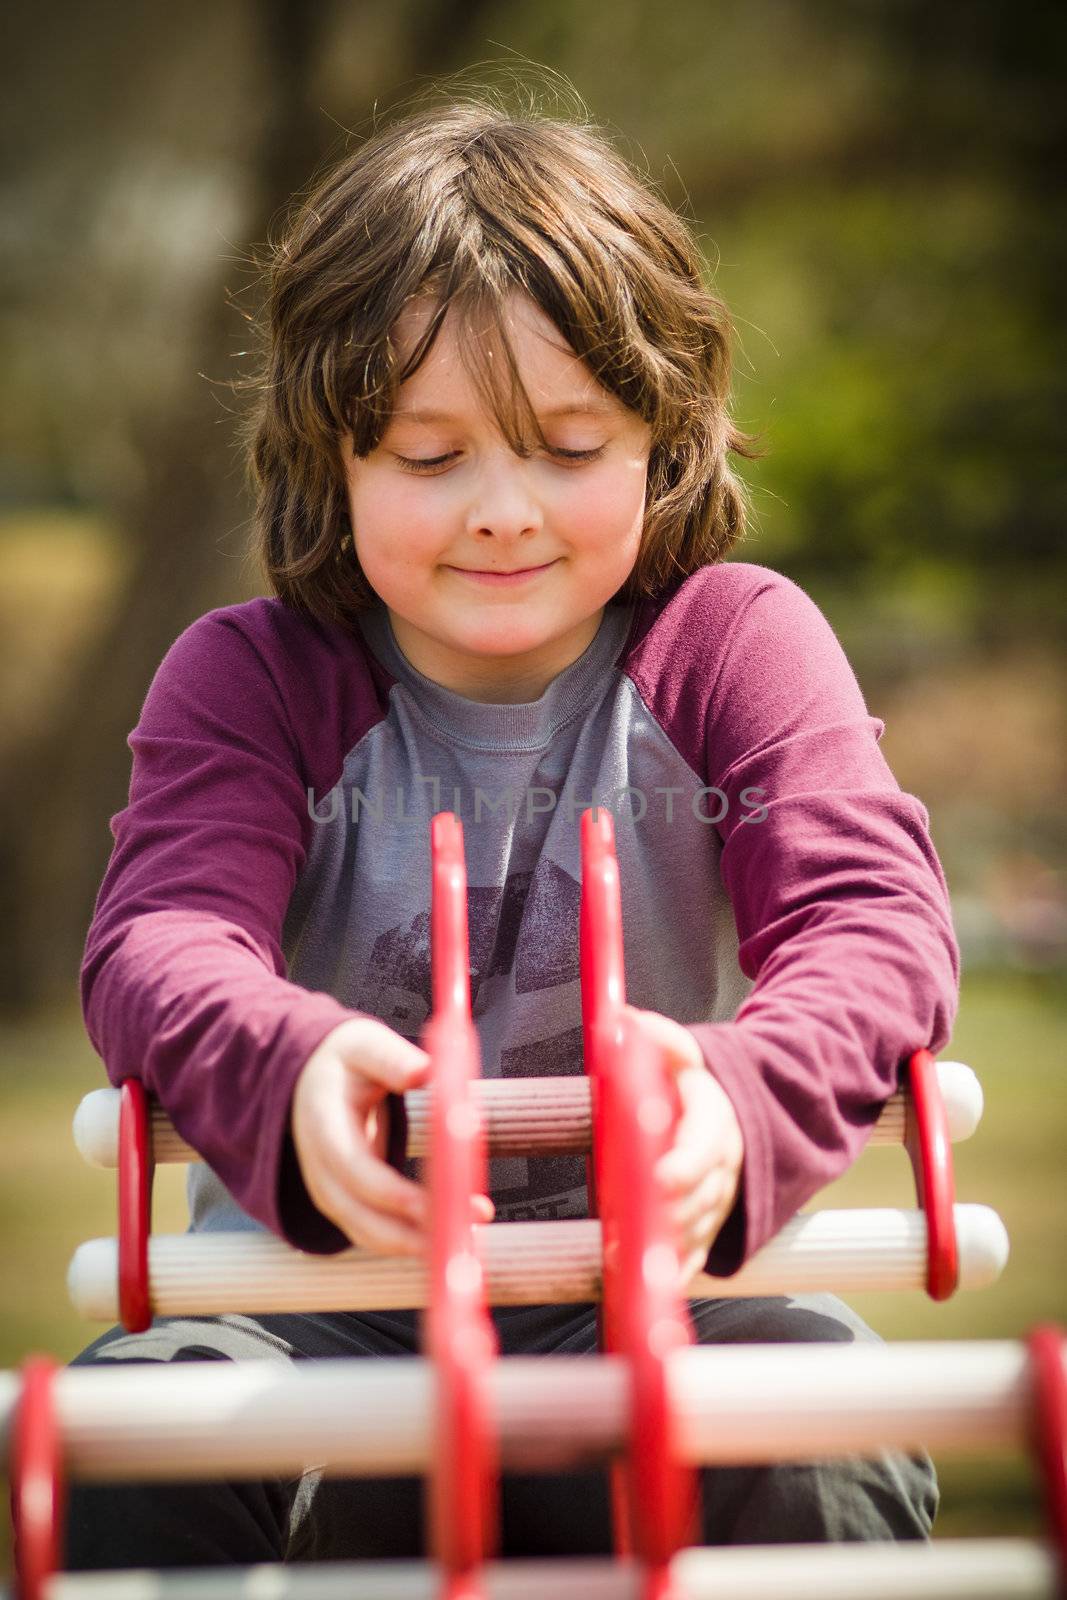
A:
[(1011, 1031)]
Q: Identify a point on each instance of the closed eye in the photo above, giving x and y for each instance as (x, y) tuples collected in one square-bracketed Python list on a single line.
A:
[(428, 463)]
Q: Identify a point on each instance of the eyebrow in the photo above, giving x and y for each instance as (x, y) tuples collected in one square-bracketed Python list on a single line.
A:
[(572, 408)]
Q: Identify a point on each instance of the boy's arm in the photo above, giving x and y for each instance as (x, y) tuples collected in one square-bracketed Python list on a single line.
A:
[(183, 978), (842, 912)]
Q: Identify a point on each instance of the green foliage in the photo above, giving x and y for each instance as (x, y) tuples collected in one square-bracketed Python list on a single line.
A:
[(905, 384)]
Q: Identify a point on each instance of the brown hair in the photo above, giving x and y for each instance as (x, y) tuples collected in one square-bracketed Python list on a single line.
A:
[(469, 202)]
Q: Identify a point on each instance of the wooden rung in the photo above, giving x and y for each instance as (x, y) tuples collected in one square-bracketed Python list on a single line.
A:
[(523, 1117), (526, 1263), (947, 1569), (730, 1405)]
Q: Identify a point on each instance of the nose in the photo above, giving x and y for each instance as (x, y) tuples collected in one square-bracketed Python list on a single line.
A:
[(503, 505)]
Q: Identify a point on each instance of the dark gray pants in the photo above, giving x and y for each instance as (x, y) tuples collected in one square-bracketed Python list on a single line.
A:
[(889, 1496)]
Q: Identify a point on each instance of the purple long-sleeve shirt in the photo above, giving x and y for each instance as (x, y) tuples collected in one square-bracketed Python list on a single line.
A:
[(781, 895)]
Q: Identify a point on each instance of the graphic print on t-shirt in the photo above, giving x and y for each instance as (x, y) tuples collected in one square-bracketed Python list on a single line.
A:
[(524, 974)]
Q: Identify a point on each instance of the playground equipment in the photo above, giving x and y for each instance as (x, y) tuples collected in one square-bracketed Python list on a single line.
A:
[(653, 1406)]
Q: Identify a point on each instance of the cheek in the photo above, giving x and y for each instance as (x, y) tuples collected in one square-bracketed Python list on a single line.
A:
[(391, 520), (609, 506), (376, 503)]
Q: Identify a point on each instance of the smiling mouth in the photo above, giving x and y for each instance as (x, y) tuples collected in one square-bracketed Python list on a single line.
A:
[(510, 572)]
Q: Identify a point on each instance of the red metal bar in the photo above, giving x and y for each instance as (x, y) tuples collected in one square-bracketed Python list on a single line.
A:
[(649, 1318), (37, 1489), (1049, 1433), (457, 1331), (930, 1149), (136, 1169), (603, 985), (601, 958), (655, 1498)]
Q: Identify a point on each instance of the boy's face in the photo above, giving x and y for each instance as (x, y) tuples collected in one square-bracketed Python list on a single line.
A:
[(419, 534)]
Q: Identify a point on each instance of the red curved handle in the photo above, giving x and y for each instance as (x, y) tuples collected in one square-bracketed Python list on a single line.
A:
[(603, 985), (136, 1168), (930, 1148), (449, 949), (37, 1490), (600, 955), (458, 1333), (635, 1109), (649, 1316)]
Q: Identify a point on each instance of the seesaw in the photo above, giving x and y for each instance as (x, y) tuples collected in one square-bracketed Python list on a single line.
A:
[(653, 1407)]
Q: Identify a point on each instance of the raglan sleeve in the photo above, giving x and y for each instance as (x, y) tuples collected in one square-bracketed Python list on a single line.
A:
[(842, 910), (183, 980)]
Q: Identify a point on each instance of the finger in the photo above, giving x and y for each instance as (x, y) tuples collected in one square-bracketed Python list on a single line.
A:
[(364, 1226), (383, 1056), (702, 1233), (376, 1129), (683, 1167), (679, 1047), (380, 1232), (692, 1264), (346, 1158), (705, 1196), (378, 1119), (699, 1141), (385, 1236), (379, 1185)]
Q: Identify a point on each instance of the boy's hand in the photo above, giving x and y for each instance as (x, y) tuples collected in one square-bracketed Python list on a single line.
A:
[(340, 1129), (701, 1172)]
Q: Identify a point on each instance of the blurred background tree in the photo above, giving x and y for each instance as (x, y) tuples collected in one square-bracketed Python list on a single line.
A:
[(877, 188)]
